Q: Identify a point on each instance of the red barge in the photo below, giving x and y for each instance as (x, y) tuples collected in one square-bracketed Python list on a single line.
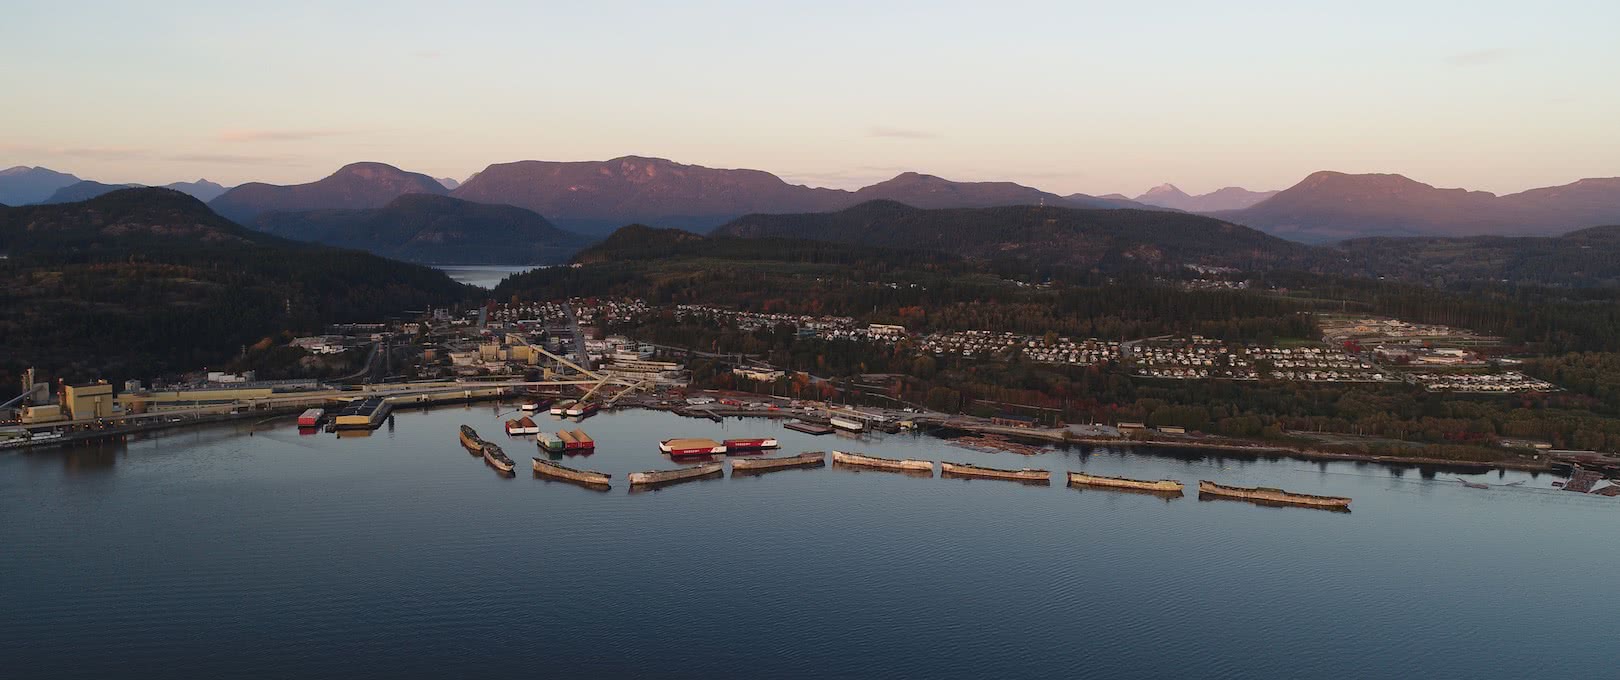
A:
[(755, 444), (691, 447)]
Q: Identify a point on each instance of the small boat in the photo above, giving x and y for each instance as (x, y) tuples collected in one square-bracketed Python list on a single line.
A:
[(808, 459), (549, 443), (847, 424), (1159, 486), (563, 472), (691, 447), (561, 407), (1261, 494), (497, 458), (903, 465), (469, 439), (584, 440), (568, 440), (971, 470), (756, 444), (809, 428), (655, 477)]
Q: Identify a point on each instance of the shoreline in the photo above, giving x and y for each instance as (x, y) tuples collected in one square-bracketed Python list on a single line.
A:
[(1257, 449)]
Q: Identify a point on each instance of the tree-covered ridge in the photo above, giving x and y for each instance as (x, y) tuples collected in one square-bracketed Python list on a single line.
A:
[(146, 280), (1109, 240), (1585, 258), (432, 229)]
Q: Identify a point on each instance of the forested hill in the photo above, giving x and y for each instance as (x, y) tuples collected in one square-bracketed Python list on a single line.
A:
[(640, 242), (140, 281), (1104, 239), (1585, 258), (433, 229)]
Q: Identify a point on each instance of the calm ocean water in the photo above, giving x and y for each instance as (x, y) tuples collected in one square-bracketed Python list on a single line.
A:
[(483, 275), (212, 553)]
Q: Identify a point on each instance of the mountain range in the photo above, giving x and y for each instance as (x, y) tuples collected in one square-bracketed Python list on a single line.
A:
[(434, 229), (23, 185), (1332, 206), (1229, 198), (595, 197)]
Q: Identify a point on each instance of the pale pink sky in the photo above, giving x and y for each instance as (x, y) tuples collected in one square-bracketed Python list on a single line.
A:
[(1089, 97)]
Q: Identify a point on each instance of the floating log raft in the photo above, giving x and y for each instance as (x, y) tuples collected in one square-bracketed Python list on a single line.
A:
[(1261, 494), (1159, 486), (970, 470), (661, 477), (755, 465), (876, 463), (590, 478)]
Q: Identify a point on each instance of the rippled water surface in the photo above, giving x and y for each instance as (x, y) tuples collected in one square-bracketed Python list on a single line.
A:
[(210, 553)]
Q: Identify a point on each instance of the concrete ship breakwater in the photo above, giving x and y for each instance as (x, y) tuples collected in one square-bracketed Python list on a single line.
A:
[(1158, 486), (1261, 494), (663, 477), (758, 465), (876, 463), (1029, 475), (589, 478)]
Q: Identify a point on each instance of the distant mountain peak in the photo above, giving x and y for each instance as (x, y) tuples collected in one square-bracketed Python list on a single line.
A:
[(1230, 198), (23, 184), (1165, 189), (367, 184)]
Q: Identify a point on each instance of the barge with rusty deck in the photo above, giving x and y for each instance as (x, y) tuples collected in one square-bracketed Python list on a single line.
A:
[(470, 439), (498, 459), (590, 478)]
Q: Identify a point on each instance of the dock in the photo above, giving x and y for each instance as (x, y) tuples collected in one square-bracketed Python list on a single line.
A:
[(809, 428), (1026, 475)]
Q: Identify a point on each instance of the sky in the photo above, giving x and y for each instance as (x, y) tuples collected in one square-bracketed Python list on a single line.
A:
[(1072, 96)]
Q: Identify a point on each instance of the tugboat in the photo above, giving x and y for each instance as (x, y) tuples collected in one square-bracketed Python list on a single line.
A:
[(469, 439)]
